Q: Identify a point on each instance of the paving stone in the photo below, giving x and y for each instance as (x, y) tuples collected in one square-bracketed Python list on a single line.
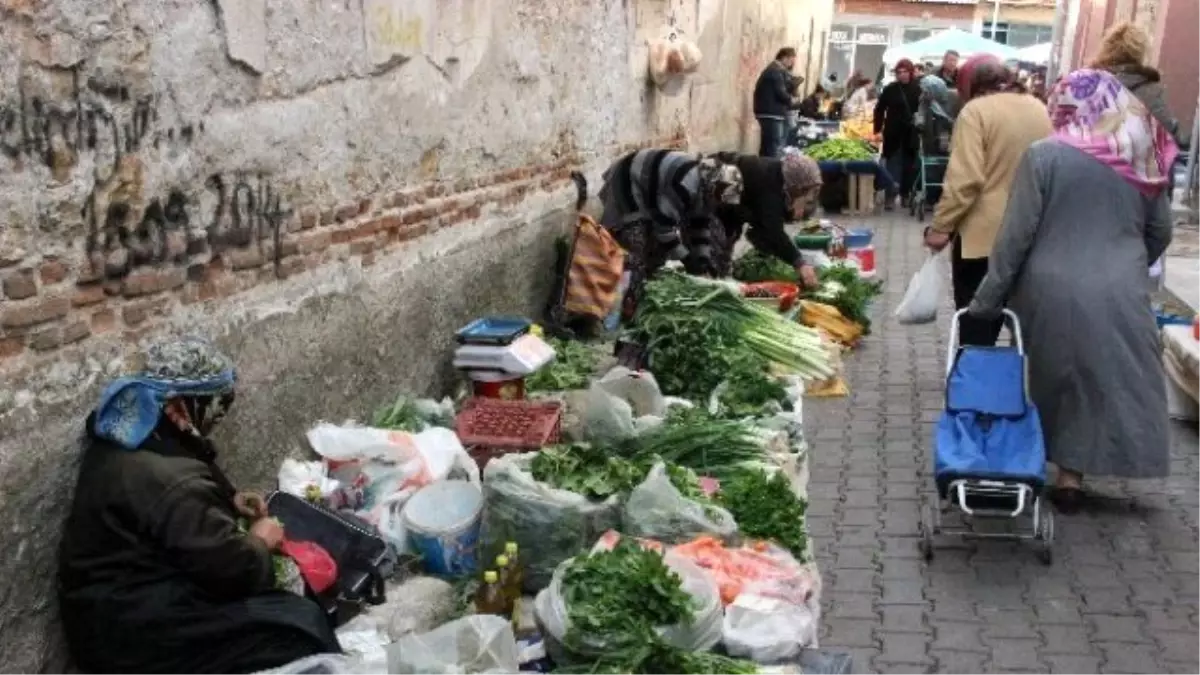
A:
[(1121, 595)]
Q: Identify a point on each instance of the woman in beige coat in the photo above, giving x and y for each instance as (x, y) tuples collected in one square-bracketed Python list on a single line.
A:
[(996, 125)]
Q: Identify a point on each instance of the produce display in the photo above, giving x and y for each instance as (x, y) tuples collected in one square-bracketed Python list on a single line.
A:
[(592, 471), (841, 150), (572, 368), (765, 507), (859, 127), (694, 330), (843, 288), (616, 596), (754, 267), (702, 443)]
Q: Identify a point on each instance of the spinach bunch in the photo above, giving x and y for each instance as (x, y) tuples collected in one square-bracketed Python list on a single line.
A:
[(750, 388), (765, 507), (618, 597), (573, 365), (592, 471), (755, 266)]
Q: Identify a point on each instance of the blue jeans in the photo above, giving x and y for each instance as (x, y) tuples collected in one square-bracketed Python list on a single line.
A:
[(773, 136)]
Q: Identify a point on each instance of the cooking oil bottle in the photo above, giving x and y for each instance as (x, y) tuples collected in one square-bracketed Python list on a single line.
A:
[(516, 577), (504, 570), (491, 598)]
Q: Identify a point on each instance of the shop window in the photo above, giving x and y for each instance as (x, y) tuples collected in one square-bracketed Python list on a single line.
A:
[(915, 34), (1017, 34)]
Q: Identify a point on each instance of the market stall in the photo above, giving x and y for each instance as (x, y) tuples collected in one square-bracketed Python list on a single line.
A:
[(850, 170), (567, 513)]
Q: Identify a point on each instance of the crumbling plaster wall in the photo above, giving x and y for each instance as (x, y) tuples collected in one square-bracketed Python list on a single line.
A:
[(326, 188)]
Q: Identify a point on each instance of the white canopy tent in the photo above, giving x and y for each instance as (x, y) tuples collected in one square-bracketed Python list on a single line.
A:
[(1035, 54), (935, 46)]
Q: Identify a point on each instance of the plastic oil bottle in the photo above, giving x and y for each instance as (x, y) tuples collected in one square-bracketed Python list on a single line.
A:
[(516, 579), (491, 598), (504, 569)]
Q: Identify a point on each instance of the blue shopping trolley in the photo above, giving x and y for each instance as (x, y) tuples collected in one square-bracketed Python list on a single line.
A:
[(989, 452)]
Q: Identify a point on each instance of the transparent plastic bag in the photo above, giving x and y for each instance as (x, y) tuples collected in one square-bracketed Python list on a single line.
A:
[(548, 525), (418, 605), (481, 643), (657, 510), (701, 634), (617, 401), (924, 292)]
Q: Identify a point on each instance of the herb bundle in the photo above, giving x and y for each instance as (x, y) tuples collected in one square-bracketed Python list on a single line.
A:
[(618, 597), (843, 288), (765, 507), (573, 366), (755, 267), (592, 471)]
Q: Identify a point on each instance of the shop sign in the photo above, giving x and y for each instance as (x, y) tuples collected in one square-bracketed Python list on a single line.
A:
[(840, 32), (873, 36)]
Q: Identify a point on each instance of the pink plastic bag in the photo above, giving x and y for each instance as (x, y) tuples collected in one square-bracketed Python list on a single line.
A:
[(316, 565)]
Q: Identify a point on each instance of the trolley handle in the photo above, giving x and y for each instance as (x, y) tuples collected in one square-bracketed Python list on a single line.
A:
[(1010, 319)]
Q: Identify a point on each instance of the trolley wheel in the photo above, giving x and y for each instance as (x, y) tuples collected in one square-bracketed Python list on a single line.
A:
[(1046, 534), (921, 212), (926, 530), (1046, 555)]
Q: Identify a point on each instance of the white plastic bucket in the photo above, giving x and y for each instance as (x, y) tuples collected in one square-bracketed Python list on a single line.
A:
[(442, 521)]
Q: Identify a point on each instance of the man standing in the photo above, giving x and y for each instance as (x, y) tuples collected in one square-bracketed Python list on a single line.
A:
[(949, 69), (773, 101)]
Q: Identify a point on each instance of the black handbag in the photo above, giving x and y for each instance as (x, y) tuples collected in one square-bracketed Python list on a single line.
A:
[(363, 558)]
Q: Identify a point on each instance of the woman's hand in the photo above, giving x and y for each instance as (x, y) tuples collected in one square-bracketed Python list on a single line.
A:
[(250, 505), (269, 531), (936, 241), (807, 275)]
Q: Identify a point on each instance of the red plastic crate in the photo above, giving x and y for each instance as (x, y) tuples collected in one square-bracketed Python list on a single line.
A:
[(490, 427)]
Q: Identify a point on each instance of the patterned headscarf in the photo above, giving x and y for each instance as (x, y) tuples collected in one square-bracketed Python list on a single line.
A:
[(189, 368), (724, 177), (801, 175), (1093, 112)]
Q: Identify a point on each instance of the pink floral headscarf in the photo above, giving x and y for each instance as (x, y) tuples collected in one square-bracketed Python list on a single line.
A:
[(1093, 112)]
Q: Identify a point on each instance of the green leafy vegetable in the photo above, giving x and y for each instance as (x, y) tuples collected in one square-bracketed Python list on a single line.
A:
[(656, 656), (840, 150), (619, 597), (591, 471), (402, 415), (708, 446), (750, 389), (765, 507), (756, 266), (572, 367), (843, 288)]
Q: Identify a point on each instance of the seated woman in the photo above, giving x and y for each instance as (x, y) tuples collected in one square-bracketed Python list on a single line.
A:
[(659, 206), (154, 574), (773, 191), (810, 107)]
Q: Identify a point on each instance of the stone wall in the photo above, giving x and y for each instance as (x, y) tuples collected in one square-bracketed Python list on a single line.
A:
[(327, 188)]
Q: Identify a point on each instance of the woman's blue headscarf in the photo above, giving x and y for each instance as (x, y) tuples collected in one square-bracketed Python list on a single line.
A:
[(131, 407)]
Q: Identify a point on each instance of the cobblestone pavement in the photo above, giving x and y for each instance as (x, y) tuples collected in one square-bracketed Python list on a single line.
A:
[(1120, 596)]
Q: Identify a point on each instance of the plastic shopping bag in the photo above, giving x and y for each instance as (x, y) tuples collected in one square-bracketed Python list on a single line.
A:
[(656, 509), (924, 293), (472, 644), (619, 403), (316, 565), (549, 525), (381, 469), (701, 634)]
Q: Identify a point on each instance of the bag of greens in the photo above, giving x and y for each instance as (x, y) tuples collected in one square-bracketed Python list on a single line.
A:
[(548, 525), (659, 509)]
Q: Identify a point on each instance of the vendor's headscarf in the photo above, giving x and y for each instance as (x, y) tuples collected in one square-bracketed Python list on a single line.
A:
[(1093, 112), (938, 94), (191, 369), (982, 73), (801, 175), (722, 178)]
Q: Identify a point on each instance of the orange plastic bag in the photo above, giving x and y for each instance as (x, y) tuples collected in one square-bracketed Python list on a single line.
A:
[(597, 263)]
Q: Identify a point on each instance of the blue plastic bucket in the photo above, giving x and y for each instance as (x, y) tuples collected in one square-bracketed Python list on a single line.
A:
[(858, 238), (442, 521)]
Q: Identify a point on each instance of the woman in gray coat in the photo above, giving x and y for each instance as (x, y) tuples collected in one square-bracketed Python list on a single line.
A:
[(1086, 216)]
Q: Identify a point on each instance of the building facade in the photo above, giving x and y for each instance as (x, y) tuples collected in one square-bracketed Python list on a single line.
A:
[(1019, 23)]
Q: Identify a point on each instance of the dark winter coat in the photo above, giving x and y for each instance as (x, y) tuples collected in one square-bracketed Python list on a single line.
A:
[(1146, 84), (894, 112), (772, 92), (154, 576), (763, 207)]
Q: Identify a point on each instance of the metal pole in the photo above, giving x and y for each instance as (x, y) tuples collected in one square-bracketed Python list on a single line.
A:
[(1190, 186), (1056, 43), (995, 18)]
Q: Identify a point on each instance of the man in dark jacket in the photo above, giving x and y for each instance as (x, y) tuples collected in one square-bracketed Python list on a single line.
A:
[(155, 574), (773, 101), (948, 71)]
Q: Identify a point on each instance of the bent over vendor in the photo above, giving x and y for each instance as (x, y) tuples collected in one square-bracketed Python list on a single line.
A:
[(660, 206), (155, 572)]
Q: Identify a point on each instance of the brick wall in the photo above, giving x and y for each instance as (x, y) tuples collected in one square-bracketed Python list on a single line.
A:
[(52, 303)]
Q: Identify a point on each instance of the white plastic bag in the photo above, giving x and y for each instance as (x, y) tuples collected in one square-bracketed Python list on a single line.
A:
[(701, 634), (767, 629), (418, 605), (617, 401), (390, 466), (924, 293), (548, 525), (299, 478), (480, 643), (657, 510)]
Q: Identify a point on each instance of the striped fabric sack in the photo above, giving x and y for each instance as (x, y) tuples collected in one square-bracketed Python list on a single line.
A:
[(597, 263)]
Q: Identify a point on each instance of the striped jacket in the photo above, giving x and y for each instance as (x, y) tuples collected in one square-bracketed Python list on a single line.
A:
[(661, 188)]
